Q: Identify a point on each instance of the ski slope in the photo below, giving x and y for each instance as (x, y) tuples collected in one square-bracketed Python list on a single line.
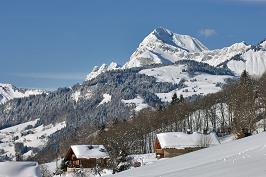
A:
[(240, 158)]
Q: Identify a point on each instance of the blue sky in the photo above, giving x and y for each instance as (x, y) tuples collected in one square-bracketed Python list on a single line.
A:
[(55, 43)]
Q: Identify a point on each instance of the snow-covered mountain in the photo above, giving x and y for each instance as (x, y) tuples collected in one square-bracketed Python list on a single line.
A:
[(262, 44), (167, 50), (8, 92), (164, 47), (99, 70), (218, 56)]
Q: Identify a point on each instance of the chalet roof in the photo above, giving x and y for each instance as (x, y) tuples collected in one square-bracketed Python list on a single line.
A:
[(20, 169), (180, 140), (89, 151)]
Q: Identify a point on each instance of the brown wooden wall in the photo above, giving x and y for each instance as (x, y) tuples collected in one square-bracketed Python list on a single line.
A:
[(171, 152)]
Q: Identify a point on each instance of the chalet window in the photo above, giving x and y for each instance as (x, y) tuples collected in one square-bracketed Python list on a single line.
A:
[(73, 157)]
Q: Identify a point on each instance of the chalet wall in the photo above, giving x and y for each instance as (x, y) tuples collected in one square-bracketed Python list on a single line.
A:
[(176, 152)]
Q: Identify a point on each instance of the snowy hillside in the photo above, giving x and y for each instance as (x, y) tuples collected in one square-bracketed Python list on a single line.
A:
[(240, 158), (138, 103), (199, 83), (31, 136), (8, 92)]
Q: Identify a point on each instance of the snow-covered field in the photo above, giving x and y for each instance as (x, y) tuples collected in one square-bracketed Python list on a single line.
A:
[(28, 134), (241, 158)]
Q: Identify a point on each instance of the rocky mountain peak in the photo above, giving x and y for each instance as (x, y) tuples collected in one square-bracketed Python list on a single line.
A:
[(98, 70)]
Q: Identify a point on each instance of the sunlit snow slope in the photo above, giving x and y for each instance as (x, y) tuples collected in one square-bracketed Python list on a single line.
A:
[(240, 158), (29, 134)]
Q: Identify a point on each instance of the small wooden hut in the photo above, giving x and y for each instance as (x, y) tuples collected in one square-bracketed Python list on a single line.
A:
[(172, 144), (86, 156)]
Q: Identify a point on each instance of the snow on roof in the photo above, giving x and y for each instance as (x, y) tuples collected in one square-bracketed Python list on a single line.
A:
[(90, 151), (19, 169), (183, 140)]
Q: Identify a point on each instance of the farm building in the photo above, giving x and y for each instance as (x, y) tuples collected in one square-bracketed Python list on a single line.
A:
[(172, 144), (86, 156), (20, 169)]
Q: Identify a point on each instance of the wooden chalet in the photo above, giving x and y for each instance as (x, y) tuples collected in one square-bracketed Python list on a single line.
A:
[(172, 144), (86, 156)]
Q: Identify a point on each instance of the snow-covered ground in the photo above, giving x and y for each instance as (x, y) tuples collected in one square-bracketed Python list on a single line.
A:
[(28, 134), (19, 169), (241, 158), (87, 173), (106, 98), (75, 96), (144, 159), (51, 168), (138, 102)]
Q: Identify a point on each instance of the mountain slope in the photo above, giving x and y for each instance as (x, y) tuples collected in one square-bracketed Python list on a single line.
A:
[(240, 158), (8, 92), (30, 134), (193, 78)]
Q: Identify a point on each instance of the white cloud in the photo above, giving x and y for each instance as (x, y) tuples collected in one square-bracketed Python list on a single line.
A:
[(207, 32), (52, 76)]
